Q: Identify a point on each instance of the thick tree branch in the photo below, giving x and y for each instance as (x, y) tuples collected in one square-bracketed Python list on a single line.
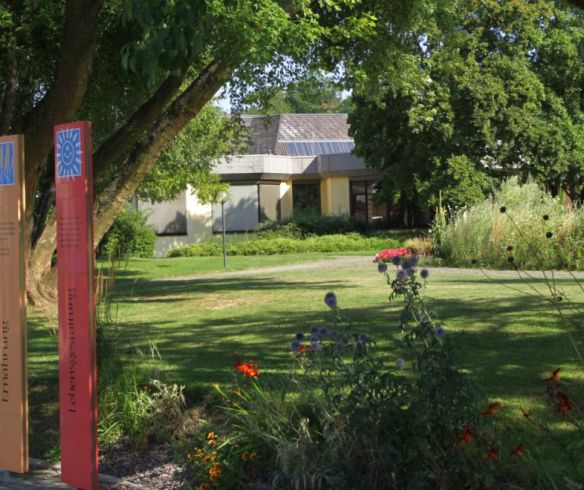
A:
[(125, 137), (66, 94), (9, 95), (145, 153)]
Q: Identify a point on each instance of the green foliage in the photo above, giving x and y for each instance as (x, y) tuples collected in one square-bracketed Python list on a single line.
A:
[(497, 94), (351, 242), (129, 236), (304, 224), (485, 235), (312, 93), (189, 158)]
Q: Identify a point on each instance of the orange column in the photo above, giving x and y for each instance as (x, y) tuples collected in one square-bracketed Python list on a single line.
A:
[(13, 376)]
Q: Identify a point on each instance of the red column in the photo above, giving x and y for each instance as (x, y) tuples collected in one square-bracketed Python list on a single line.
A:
[(75, 266)]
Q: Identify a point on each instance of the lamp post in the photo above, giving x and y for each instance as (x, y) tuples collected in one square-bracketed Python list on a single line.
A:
[(222, 198)]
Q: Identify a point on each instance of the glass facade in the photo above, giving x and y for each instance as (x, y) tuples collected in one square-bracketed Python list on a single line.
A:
[(315, 148), (306, 196), (364, 205)]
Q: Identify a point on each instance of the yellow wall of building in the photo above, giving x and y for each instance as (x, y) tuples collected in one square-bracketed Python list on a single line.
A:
[(286, 201), (335, 196)]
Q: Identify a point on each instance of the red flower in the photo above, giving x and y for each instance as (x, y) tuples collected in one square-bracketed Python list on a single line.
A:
[(491, 409), (518, 451), (249, 369), (491, 455), (390, 254), (564, 404), (467, 436), (553, 378)]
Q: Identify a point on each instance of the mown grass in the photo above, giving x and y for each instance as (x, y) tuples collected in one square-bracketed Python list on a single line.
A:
[(506, 340)]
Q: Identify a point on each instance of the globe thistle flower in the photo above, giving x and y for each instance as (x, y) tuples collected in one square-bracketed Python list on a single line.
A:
[(330, 299), (424, 273), (546, 217), (314, 329), (400, 363), (401, 275), (323, 332), (295, 345), (381, 267), (299, 336), (333, 334), (549, 234), (396, 260), (440, 331), (502, 209), (314, 346), (410, 271), (363, 337)]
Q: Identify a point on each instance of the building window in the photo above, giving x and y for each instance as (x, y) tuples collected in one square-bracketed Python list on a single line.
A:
[(364, 205), (306, 197)]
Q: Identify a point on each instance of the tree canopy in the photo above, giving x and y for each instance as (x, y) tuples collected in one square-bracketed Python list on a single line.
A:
[(499, 93)]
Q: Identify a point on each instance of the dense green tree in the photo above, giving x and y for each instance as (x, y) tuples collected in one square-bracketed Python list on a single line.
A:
[(497, 94)]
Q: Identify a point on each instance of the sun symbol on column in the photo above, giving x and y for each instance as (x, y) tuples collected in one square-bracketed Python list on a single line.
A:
[(69, 153)]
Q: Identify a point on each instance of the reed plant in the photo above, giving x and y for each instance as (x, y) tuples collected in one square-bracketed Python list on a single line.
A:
[(483, 234)]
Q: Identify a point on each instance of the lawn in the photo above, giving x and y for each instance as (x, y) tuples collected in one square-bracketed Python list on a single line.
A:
[(506, 340)]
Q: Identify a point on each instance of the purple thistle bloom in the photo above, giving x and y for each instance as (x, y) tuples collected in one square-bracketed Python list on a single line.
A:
[(295, 345), (382, 267), (299, 336), (315, 338), (330, 299), (424, 273), (410, 271), (323, 332), (401, 275), (314, 346), (396, 260), (313, 329), (400, 363), (363, 337), (440, 331)]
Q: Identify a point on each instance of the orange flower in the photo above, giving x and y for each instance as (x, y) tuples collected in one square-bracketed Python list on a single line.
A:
[(564, 404), (553, 378), (303, 348), (467, 436), (199, 453), (518, 451), (215, 471), (491, 455), (491, 409), (252, 456), (208, 459), (249, 369), (245, 456), (204, 486), (211, 435)]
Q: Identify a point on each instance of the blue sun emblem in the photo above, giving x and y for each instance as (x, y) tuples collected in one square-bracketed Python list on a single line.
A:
[(7, 163), (69, 153)]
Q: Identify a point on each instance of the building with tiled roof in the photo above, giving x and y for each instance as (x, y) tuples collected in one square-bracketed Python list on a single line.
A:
[(293, 162)]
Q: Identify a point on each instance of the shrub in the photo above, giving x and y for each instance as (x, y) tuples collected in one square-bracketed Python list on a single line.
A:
[(482, 233), (351, 242), (129, 236), (302, 224)]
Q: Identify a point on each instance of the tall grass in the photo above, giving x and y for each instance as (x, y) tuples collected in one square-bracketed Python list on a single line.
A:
[(483, 233)]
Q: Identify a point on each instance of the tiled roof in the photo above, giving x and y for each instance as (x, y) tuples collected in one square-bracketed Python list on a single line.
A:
[(269, 133)]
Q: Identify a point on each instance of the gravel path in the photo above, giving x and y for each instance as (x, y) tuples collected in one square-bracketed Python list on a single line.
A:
[(352, 261)]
